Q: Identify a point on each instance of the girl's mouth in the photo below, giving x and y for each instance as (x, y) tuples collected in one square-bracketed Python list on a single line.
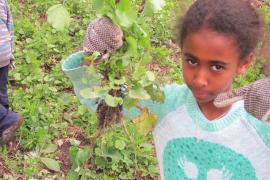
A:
[(201, 94)]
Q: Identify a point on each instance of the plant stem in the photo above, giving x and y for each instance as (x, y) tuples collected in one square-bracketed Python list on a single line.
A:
[(141, 8), (126, 131)]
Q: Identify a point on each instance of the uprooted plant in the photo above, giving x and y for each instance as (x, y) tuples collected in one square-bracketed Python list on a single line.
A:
[(122, 76)]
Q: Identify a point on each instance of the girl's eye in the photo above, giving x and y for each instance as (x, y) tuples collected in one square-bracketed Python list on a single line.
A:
[(191, 62), (217, 68)]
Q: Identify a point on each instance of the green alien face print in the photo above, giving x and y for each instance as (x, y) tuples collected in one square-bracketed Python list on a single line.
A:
[(187, 158)]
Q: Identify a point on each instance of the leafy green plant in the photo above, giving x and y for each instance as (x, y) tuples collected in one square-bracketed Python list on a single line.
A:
[(116, 156), (128, 65), (58, 16), (79, 157), (254, 73)]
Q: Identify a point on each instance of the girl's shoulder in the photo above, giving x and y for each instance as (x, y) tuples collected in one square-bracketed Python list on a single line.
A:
[(262, 128)]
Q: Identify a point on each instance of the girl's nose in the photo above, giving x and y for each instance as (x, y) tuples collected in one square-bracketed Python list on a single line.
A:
[(201, 79)]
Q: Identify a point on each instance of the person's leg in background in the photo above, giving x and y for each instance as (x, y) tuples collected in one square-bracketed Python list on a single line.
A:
[(9, 121)]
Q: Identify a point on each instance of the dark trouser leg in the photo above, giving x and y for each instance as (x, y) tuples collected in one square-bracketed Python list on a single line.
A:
[(7, 117), (3, 86)]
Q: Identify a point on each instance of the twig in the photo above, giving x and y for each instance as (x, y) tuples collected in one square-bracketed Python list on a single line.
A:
[(126, 130), (141, 8), (140, 108)]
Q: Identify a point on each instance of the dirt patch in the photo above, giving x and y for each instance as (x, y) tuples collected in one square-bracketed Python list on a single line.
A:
[(174, 57), (157, 68), (77, 133), (43, 18), (3, 168), (64, 144), (139, 177), (5, 173), (46, 68), (14, 146), (62, 155), (67, 90), (176, 51)]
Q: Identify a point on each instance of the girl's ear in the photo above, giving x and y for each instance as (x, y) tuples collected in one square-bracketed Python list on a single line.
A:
[(245, 64)]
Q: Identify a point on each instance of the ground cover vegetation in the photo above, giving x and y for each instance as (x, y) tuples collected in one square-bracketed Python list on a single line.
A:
[(56, 139)]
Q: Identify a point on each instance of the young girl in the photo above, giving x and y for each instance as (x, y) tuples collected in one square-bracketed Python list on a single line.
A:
[(193, 138)]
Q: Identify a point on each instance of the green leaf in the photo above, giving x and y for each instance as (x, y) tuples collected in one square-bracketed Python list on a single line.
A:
[(146, 59), (150, 75), (153, 6), (113, 101), (72, 175), (92, 70), (74, 142), (58, 17), (50, 149), (93, 93), (147, 79), (82, 109), (125, 14), (156, 93), (93, 75), (138, 93), (120, 144), (152, 169), (107, 177), (147, 146), (72, 153), (98, 4), (89, 93), (78, 156), (17, 76), (124, 19), (51, 164), (145, 41), (83, 155), (129, 103), (120, 81), (139, 72), (114, 155), (95, 55), (132, 45)]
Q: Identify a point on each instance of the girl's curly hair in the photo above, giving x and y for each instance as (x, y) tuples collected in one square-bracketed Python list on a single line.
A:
[(236, 18)]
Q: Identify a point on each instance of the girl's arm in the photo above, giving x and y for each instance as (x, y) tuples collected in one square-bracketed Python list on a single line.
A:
[(262, 128), (74, 69), (174, 94)]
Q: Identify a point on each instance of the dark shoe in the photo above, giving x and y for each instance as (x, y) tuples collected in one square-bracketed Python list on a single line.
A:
[(10, 132)]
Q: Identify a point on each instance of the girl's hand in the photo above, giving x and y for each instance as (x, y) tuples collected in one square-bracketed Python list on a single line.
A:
[(102, 36), (255, 95)]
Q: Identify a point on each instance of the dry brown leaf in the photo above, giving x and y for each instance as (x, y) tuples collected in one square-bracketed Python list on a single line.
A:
[(145, 122)]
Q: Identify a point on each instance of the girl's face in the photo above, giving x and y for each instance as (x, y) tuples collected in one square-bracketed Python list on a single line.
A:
[(210, 62)]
